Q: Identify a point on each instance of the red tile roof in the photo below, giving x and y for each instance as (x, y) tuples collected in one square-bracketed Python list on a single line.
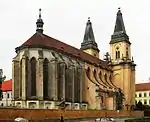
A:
[(44, 41), (7, 85), (142, 87)]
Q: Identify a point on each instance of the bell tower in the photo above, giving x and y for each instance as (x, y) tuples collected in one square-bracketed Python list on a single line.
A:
[(120, 44), (121, 62), (89, 45)]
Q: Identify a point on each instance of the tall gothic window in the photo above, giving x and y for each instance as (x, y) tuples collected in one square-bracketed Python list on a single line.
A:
[(28, 75), (20, 81), (45, 78), (61, 73), (77, 84), (33, 76), (68, 84)]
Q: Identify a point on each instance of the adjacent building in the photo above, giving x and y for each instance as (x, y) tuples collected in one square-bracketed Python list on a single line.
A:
[(143, 93), (6, 99), (48, 72)]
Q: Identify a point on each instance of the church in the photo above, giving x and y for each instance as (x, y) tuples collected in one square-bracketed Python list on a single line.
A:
[(47, 72)]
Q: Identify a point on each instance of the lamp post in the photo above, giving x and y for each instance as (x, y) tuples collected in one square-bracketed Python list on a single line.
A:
[(1, 80)]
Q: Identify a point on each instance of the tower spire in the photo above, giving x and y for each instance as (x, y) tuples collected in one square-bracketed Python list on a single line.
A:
[(119, 26), (119, 30), (39, 23), (89, 39)]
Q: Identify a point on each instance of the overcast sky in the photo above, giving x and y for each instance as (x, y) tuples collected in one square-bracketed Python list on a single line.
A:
[(66, 19)]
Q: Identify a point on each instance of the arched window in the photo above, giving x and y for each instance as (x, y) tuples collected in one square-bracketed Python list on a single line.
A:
[(8, 95), (117, 53), (140, 95), (33, 76), (45, 78)]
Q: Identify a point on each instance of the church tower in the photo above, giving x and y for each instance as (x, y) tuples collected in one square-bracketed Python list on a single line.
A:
[(89, 45), (121, 62)]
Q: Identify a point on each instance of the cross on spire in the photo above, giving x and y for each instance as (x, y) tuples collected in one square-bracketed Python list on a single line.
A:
[(40, 13)]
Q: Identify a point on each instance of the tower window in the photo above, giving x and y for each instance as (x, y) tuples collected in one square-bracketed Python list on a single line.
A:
[(117, 53), (127, 54)]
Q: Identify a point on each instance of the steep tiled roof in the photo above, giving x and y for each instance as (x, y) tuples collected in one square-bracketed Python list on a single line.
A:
[(142, 87), (7, 85), (44, 41)]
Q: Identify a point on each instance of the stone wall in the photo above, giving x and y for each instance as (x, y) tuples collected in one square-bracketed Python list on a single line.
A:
[(39, 114)]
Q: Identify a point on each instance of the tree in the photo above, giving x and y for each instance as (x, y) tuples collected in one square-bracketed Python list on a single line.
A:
[(139, 106), (119, 99)]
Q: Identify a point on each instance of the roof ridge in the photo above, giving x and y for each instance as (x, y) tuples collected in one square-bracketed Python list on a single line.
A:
[(74, 48), (45, 41)]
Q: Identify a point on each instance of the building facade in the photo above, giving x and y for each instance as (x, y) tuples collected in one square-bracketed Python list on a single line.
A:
[(143, 93), (6, 98), (48, 72)]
